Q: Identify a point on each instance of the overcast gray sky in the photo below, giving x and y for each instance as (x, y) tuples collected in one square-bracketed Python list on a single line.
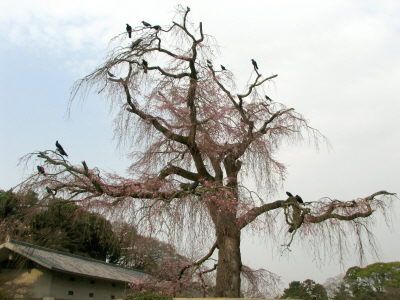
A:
[(338, 64)]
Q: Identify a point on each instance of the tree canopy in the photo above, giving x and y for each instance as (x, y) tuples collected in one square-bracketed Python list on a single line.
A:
[(14, 209), (306, 290), (58, 225), (375, 281)]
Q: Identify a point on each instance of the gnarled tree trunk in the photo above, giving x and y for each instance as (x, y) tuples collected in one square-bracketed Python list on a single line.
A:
[(229, 259)]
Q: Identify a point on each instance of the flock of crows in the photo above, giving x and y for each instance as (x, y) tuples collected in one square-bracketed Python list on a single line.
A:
[(158, 27), (60, 150), (191, 187), (146, 24), (194, 185)]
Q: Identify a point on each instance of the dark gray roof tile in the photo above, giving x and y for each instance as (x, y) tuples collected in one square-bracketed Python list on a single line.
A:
[(70, 263)]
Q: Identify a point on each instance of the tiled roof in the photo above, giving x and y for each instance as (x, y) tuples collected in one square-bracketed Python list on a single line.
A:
[(70, 263)]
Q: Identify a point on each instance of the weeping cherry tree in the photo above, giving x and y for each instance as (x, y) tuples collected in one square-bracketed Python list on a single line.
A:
[(198, 139)]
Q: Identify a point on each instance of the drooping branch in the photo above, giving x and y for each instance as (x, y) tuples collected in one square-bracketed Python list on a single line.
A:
[(253, 213), (88, 182), (238, 106), (314, 217), (200, 261), (255, 84), (240, 148), (147, 117), (330, 211), (203, 283), (263, 129), (260, 282)]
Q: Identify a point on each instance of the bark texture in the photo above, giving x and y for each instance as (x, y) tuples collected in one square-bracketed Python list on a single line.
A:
[(229, 258)]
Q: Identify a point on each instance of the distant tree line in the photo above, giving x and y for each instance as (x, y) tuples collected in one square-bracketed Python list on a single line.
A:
[(65, 226), (378, 281)]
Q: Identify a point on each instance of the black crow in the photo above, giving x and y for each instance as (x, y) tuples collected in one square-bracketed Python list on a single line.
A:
[(289, 194), (49, 190), (254, 64), (298, 198), (157, 27), (194, 185), (136, 43), (129, 30), (110, 74), (223, 68), (146, 24), (41, 170), (268, 98), (85, 167), (145, 65), (209, 62), (61, 149)]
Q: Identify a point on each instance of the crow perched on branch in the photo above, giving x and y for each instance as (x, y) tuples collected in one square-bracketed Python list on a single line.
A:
[(254, 64), (157, 27), (194, 185), (41, 170), (146, 24), (110, 74), (49, 190), (289, 194), (145, 65), (129, 30), (223, 68), (298, 198), (268, 98), (85, 167), (61, 149)]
